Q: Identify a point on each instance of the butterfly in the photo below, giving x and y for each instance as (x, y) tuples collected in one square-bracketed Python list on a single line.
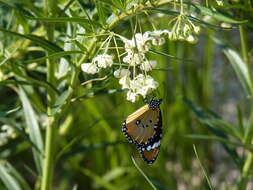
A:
[(144, 129)]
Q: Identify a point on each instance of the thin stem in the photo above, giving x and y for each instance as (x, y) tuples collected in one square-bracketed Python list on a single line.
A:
[(182, 7)]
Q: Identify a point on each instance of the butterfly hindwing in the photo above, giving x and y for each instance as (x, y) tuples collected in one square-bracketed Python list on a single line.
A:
[(144, 129), (149, 152)]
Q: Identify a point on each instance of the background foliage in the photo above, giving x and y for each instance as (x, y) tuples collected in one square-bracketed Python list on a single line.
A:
[(72, 132)]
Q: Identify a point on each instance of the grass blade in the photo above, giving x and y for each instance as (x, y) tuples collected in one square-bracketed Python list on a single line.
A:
[(144, 175), (203, 169)]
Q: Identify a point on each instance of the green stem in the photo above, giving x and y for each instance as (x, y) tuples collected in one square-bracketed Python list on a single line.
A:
[(246, 171), (48, 163), (249, 160), (48, 159)]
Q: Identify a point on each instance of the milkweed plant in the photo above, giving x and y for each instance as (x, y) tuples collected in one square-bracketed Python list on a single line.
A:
[(57, 56)]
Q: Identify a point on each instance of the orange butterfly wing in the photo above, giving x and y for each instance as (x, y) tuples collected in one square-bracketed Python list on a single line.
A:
[(144, 129)]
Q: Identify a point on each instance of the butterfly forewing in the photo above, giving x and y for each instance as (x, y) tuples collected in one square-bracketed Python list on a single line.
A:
[(144, 129), (141, 125)]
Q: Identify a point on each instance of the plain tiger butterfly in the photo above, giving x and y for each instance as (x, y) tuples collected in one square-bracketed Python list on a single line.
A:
[(144, 129)]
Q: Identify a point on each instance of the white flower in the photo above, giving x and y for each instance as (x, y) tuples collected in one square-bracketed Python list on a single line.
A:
[(133, 58), (191, 39), (157, 33), (132, 96), (3, 139), (219, 2), (103, 60), (9, 131), (141, 41), (148, 65), (196, 29), (158, 41), (226, 25), (144, 84), (140, 85), (156, 36), (129, 45), (121, 73), (125, 82), (138, 43), (6, 133), (89, 68)]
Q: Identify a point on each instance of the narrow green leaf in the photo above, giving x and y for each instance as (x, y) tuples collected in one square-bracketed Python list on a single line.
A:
[(64, 20), (60, 101), (240, 68), (5, 113), (16, 82), (217, 126), (17, 176), (54, 55), (34, 130), (144, 175), (11, 178), (169, 12), (101, 12), (7, 178), (219, 139), (36, 39), (214, 14), (203, 169)]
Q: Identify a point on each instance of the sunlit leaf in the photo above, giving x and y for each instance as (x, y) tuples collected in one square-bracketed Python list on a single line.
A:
[(34, 130)]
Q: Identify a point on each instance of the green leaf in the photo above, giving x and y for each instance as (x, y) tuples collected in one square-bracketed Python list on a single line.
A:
[(64, 20), (54, 55), (219, 139), (11, 178), (115, 3), (34, 130), (101, 12), (214, 14), (60, 101), (217, 126), (5, 113), (238, 65), (36, 39), (169, 12)]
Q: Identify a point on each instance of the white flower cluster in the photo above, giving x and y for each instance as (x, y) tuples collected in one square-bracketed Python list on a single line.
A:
[(139, 85), (98, 62), (183, 29), (136, 49), (139, 45), (6, 133)]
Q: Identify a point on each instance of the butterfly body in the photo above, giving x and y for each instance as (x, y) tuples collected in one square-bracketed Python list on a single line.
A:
[(144, 129)]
